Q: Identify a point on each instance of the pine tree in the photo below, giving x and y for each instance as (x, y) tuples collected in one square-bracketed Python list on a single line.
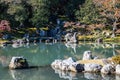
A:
[(41, 12), (88, 13)]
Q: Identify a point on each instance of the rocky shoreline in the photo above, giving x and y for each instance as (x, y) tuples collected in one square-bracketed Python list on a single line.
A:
[(88, 64)]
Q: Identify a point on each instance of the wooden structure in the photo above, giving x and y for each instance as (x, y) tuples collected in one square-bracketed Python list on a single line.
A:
[(43, 39)]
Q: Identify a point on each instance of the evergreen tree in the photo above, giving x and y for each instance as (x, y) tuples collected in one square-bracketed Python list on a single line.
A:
[(18, 12), (3, 10), (65, 8), (88, 13), (41, 12)]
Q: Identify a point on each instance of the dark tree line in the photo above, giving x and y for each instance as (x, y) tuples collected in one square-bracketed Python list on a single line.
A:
[(41, 13), (38, 12)]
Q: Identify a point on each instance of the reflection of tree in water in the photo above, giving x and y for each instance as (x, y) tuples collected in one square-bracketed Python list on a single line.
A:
[(105, 50), (44, 73), (42, 47), (4, 60), (42, 54), (72, 47)]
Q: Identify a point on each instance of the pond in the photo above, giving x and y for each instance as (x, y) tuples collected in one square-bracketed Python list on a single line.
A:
[(42, 55)]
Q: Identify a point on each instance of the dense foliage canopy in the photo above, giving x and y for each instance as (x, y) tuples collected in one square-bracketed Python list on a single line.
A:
[(38, 12), (41, 13)]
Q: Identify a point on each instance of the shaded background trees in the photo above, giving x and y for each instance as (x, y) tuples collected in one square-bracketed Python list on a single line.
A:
[(38, 12), (88, 13), (41, 13)]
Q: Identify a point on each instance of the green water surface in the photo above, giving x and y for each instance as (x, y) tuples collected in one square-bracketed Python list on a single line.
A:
[(43, 55)]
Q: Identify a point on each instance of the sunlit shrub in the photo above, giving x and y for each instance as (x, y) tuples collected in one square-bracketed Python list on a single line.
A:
[(116, 59)]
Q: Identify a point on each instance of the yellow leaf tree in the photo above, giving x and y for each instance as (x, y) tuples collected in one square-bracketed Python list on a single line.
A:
[(110, 9)]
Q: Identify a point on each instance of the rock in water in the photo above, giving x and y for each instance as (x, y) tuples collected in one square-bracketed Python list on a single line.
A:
[(92, 67), (80, 67), (118, 69), (108, 69), (76, 67), (18, 63), (87, 55)]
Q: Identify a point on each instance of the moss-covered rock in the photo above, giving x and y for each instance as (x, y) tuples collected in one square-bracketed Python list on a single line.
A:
[(116, 59)]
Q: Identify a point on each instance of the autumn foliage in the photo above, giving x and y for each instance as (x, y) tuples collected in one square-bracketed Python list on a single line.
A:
[(4, 26), (109, 6)]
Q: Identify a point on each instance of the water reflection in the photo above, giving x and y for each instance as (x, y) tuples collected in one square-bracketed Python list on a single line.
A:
[(51, 51), (89, 76), (108, 77), (71, 46), (65, 74), (4, 61), (92, 76), (33, 74), (16, 75), (42, 54), (117, 77)]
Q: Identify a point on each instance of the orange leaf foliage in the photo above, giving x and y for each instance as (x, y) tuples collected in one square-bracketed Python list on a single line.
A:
[(109, 5), (4, 25)]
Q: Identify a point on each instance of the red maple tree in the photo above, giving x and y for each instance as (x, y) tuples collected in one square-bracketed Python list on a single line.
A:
[(4, 26)]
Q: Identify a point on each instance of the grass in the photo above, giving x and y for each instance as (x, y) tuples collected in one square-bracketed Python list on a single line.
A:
[(97, 61), (115, 39), (20, 33), (87, 38), (116, 59), (93, 38), (2, 41)]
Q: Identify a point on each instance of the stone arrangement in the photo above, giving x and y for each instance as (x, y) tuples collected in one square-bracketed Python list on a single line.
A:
[(18, 63), (87, 55), (69, 64)]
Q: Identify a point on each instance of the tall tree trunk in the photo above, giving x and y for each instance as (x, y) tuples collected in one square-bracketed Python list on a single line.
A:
[(114, 28)]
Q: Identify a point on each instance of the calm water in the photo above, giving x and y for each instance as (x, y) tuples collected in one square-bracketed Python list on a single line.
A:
[(43, 55)]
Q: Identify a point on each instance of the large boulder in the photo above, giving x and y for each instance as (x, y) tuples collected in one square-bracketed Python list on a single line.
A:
[(62, 64), (108, 69), (92, 67), (56, 64), (76, 67), (118, 69), (68, 61), (67, 65), (79, 67), (18, 63), (87, 55)]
